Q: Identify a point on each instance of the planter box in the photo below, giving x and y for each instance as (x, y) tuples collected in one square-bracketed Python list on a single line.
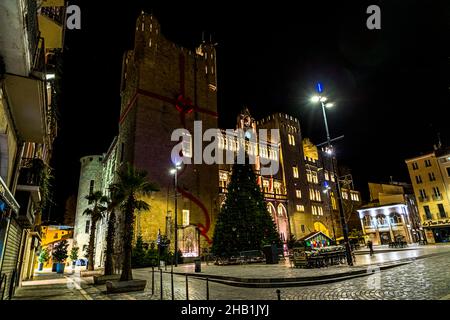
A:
[(87, 273), (100, 279), (125, 286), (60, 267)]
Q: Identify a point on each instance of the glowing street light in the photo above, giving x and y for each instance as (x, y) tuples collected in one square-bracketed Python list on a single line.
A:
[(330, 152), (174, 172)]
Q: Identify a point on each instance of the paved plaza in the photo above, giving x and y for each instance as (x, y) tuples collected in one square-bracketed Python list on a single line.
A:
[(416, 277)]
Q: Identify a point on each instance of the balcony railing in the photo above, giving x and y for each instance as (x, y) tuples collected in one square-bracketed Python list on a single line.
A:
[(32, 26), (54, 13), (31, 172)]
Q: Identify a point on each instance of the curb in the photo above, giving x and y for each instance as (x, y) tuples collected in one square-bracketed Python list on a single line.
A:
[(289, 282)]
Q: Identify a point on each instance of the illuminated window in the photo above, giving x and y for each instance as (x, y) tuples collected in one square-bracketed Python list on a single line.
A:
[(298, 193), (314, 210), (187, 145), (315, 179), (300, 208), (327, 177), (223, 179), (295, 170), (318, 196), (436, 191), (418, 179), (277, 187), (308, 175), (291, 139), (344, 195), (415, 166), (266, 186), (320, 211), (185, 218), (354, 196), (333, 203), (432, 176), (427, 163)]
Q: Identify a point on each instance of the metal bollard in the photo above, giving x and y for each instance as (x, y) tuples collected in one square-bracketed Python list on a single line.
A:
[(279, 294), (153, 280), (187, 288), (161, 281), (171, 280), (207, 288)]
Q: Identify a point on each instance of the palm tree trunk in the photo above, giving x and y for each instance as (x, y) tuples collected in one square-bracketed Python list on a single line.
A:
[(91, 245), (109, 267), (127, 246)]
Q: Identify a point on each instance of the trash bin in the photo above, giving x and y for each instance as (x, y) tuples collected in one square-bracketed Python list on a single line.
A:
[(198, 265)]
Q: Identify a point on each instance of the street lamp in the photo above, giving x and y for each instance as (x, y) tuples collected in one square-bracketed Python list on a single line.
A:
[(174, 172), (330, 151)]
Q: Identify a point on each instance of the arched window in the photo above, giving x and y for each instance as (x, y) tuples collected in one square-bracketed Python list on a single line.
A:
[(381, 220), (281, 210), (396, 218), (367, 220)]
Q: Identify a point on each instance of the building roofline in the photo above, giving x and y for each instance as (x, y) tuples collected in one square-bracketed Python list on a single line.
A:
[(366, 207), (420, 157)]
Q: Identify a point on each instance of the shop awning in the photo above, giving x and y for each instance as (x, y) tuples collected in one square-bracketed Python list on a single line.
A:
[(7, 197)]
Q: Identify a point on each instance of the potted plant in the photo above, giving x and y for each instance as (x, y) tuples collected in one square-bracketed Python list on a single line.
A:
[(60, 255), (74, 256), (44, 256)]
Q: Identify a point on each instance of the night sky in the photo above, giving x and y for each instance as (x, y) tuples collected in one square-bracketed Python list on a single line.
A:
[(390, 86)]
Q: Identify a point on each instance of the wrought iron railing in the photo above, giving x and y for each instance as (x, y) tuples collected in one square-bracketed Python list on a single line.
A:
[(54, 13), (31, 172)]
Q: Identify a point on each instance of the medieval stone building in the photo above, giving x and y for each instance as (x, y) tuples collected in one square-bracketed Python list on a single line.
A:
[(166, 87)]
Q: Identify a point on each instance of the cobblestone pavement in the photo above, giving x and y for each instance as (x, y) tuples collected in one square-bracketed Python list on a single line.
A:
[(426, 278), (423, 279)]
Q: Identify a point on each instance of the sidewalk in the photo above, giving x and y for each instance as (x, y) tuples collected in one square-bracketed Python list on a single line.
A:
[(48, 286)]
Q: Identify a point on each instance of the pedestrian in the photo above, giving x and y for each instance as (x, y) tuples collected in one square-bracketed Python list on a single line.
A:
[(370, 246)]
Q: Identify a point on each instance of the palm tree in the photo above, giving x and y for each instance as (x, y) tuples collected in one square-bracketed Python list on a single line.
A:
[(116, 197), (132, 184), (98, 201)]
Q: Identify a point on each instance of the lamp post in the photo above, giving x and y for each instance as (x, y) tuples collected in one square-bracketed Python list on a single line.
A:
[(174, 171), (329, 150)]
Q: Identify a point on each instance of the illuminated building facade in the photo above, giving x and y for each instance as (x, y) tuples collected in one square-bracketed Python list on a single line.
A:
[(391, 215), (166, 87), (430, 176), (31, 35)]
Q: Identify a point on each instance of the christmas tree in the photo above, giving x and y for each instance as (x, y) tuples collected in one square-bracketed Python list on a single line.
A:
[(244, 223)]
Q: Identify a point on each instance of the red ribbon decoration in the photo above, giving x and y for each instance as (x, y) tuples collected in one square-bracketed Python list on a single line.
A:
[(184, 106)]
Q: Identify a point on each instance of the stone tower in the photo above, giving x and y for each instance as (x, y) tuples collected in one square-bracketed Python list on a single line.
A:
[(167, 87), (90, 181)]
